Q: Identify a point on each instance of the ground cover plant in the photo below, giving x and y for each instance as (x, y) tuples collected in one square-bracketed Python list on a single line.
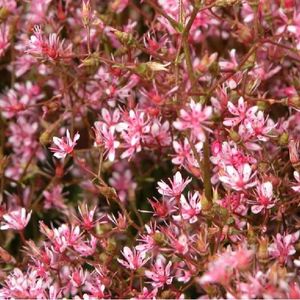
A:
[(149, 149)]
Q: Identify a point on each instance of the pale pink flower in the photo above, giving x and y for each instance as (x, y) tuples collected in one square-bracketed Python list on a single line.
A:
[(147, 241), (283, 246), (239, 178), (134, 258), (159, 133), (119, 6), (222, 268), (258, 126), (4, 38), (64, 237), (16, 219), (54, 198), (264, 199), (78, 277), (184, 155), (160, 273), (87, 217), (194, 117), (178, 243), (50, 48), (120, 222), (176, 188), (105, 137), (65, 145), (86, 248), (240, 112), (134, 130), (230, 64), (296, 187), (189, 209), (28, 285), (123, 182)]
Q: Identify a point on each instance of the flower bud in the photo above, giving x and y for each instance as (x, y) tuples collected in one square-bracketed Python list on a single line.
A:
[(262, 105), (3, 163), (294, 101), (205, 204), (86, 12), (125, 38), (263, 253), (293, 146), (92, 60), (234, 136), (283, 139), (111, 246), (159, 238), (4, 13)]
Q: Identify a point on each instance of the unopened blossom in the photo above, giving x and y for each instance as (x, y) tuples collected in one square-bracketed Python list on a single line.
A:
[(16, 219), (160, 273), (239, 178), (189, 209), (283, 246), (134, 258), (4, 39), (264, 199), (196, 118), (65, 145), (176, 186)]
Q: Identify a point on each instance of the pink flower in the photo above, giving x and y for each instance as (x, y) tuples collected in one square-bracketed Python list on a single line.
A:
[(64, 145), (51, 48), (78, 277), (264, 198), (283, 246), (222, 268), (189, 209), (86, 248), (54, 198), (194, 117), (134, 258), (176, 188), (238, 178), (64, 237), (296, 187), (105, 137), (240, 111), (184, 155), (27, 285), (87, 220), (4, 38), (16, 219), (123, 182), (160, 273)]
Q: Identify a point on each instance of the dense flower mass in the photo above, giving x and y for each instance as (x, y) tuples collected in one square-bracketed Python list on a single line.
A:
[(149, 149)]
